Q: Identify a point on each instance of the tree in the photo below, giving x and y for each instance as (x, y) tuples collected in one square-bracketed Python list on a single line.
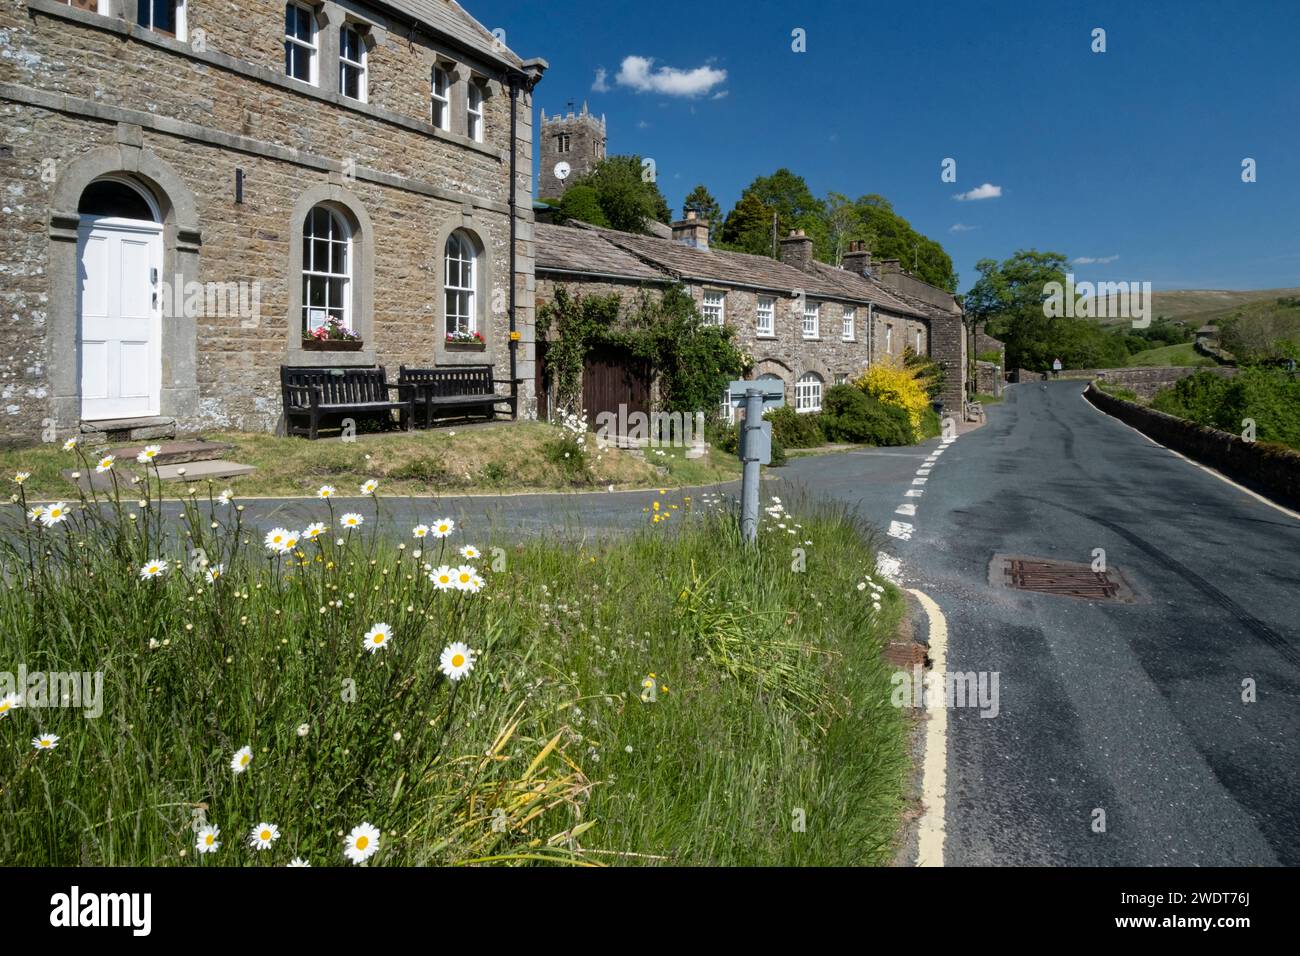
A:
[(1009, 297), (786, 196), (628, 200), (582, 202), (748, 227), (706, 207)]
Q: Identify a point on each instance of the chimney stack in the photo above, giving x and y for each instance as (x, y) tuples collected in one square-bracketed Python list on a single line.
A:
[(692, 231), (858, 259), (797, 250), (888, 267)]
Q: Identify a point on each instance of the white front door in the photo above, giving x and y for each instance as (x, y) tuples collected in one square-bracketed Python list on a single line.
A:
[(120, 263)]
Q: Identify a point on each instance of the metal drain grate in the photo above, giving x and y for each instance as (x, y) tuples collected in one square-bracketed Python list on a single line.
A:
[(1061, 578)]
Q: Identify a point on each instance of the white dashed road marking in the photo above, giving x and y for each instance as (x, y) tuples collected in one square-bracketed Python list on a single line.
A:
[(901, 530), (905, 510)]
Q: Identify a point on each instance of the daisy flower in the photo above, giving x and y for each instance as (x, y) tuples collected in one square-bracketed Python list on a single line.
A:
[(290, 541), (225, 496), (214, 572), (149, 454), (420, 531), (326, 491), (275, 539), (361, 843), (153, 569), (444, 578), (369, 487), (21, 477), (470, 552), (443, 527), (242, 758), (105, 464), (314, 530), (70, 444), (463, 577), (263, 835), (8, 702), (53, 514), (207, 841), (457, 661), (297, 861), (378, 638), (476, 583), (35, 512), (45, 741), (351, 520)]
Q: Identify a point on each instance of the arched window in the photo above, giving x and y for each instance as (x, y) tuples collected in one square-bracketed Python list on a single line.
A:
[(460, 286), (326, 269), (808, 393), (117, 199)]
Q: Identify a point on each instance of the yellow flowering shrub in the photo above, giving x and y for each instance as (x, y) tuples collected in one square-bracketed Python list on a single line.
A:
[(893, 383)]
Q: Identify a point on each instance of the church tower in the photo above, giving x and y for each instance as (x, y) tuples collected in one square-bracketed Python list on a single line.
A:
[(571, 146)]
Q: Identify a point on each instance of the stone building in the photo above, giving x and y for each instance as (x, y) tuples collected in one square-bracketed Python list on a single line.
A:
[(570, 145), (806, 323), (188, 186)]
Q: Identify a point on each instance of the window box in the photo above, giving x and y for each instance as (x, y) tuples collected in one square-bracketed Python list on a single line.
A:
[(331, 345), (466, 346)]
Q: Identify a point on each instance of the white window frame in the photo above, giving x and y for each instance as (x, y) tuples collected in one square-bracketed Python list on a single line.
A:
[(312, 48), (340, 233), (475, 120), (361, 67), (466, 252), (713, 307), (918, 342), (178, 15), (440, 114), (849, 323), (808, 393), (812, 319), (728, 410), (889, 340), (765, 316), (842, 378)]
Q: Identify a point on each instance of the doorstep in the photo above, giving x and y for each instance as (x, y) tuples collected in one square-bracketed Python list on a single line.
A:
[(127, 429)]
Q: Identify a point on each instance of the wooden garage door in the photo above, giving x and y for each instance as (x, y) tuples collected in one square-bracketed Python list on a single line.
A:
[(614, 377)]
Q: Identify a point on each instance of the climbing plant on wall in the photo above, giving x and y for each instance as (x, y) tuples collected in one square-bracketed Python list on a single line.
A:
[(692, 361)]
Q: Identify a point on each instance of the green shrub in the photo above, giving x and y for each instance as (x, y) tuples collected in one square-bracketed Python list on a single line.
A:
[(1270, 397), (726, 438), (930, 426), (793, 430), (851, 415)]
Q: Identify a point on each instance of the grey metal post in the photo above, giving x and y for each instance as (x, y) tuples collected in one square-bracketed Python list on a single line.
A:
[(749, 480)]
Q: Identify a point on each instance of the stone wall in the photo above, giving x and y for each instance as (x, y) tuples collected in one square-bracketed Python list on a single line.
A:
[(1146, 381), (988, 379), (1268, 468), (83, 95)]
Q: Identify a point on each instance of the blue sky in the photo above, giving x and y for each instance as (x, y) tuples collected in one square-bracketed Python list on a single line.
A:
[(1131, 157)]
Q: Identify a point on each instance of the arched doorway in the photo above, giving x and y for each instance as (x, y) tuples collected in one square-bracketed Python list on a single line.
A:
[(119, 311)]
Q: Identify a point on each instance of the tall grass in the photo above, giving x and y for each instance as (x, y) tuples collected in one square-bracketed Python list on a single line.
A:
[(666, 697)]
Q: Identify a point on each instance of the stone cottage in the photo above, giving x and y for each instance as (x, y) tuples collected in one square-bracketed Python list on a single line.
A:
[(190, 186), (805, 323)]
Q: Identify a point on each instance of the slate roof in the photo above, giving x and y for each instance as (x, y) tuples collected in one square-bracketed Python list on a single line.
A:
[(450, 18), (589, 250), (585, 251)]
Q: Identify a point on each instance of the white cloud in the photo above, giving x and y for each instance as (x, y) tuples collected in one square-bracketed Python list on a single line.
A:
[(962, 227), (642, 125), (721, 94), (601, 85), (640, 73), (987, 191), (1093, 261)]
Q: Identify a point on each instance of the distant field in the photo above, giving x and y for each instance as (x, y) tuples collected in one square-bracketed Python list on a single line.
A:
[(1184, 354), (1198, 307)]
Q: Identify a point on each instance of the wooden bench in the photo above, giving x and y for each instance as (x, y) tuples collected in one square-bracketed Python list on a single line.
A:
[(459, 387), (317, 392)]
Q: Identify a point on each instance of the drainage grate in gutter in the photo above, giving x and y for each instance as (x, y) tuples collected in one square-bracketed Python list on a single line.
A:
[(1061, 578)]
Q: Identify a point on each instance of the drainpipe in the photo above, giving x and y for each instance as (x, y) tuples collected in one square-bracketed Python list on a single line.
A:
[(514, 215), (871, 334)]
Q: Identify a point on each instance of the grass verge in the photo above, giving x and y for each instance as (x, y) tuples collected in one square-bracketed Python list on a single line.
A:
[(666, 697), (482, 459)]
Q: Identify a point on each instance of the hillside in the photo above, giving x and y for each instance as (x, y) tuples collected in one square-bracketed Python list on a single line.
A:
[(1197, 307)]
